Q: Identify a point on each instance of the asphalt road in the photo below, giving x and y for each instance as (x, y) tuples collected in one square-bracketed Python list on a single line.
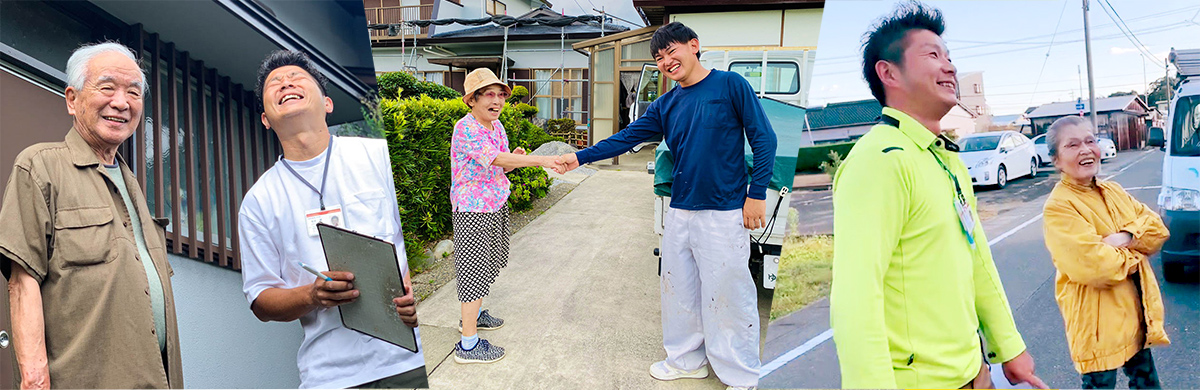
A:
[(800, 354)]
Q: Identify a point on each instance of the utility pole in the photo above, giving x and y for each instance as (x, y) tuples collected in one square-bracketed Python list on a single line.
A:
[(1079, 69), (1167, 77), (1087, 39)]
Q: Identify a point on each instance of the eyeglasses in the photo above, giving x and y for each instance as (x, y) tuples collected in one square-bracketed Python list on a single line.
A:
[(494, 95)]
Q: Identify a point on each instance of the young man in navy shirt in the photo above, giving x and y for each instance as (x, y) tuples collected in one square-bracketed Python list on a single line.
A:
[(709, 301)]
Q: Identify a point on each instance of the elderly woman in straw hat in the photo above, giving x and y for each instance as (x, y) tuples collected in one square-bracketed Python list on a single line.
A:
[(479, 158), (1100, 239)]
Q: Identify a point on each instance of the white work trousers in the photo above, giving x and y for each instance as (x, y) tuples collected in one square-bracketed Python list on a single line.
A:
[(709, 302)]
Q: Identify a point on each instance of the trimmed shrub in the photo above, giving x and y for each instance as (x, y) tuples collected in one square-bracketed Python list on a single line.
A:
[(535, 135), (401, 85), (564, 128), (560, 126), (418, 132), (809, 159), (527, 111), (830, 167), (519, 93)]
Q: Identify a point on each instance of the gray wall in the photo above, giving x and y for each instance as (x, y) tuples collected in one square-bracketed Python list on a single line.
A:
[(223, 344)]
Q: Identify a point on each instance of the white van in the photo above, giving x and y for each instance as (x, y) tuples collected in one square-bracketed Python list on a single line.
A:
[(1179, 199), (787, 77)]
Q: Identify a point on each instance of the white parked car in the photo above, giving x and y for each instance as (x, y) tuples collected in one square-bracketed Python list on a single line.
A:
[(993, 158), (1043, 152), (1107, 148)]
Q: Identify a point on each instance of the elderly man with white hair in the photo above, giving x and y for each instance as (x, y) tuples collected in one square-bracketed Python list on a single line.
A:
[(86, 262)]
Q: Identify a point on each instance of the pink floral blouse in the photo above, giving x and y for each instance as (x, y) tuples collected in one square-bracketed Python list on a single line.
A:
[(475, 184)]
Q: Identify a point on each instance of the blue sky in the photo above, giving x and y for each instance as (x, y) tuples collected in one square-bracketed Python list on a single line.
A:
[(1009, 41), (619, 8)]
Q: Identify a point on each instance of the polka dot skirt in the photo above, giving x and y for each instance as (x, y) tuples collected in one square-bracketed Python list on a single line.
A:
[(480, 251)]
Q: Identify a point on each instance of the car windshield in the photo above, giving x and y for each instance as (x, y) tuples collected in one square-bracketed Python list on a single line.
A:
[(1185, 129), (1040, 140), (975, 144)]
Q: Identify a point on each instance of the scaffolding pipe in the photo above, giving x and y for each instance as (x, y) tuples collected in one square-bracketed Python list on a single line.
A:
[(548, 80), (762, 74), (531, 50), (504, 58)]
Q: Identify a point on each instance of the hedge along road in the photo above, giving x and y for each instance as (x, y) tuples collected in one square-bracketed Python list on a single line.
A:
[(800, 354)]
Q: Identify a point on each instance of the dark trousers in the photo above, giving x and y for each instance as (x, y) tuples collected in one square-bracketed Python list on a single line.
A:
[(1139, 369), (414, 379)]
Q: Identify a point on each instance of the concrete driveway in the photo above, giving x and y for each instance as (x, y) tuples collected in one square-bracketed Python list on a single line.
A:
[(580, 299)]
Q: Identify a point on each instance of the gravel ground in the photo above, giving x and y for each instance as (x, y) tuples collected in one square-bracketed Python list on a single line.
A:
[(442, 272)]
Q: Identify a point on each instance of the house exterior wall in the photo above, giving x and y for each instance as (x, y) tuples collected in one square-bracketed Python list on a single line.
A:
[(959, 121), (801, 27), (834, 135), (446, 9), (746, 28), (790, 28), (1127, 130), (223, 345), (972, 94)]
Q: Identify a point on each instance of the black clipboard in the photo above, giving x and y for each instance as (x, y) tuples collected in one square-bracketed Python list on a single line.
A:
[(378, 279)]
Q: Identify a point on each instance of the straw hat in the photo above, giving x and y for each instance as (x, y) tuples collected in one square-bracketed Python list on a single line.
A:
[(480, 79)]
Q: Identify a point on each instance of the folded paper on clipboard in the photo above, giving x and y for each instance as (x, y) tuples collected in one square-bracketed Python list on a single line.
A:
[(378, 280)]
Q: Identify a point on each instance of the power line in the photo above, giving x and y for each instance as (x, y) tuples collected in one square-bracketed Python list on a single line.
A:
[(1020, 41), (1046, 60), (1005, 51), (1137, 44), (581, 9)]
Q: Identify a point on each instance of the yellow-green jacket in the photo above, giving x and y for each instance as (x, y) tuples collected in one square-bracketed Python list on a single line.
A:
[(909, 292), (1107, 320)]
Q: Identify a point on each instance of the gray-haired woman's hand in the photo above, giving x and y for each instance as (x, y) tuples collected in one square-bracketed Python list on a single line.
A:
[(1119, 239)]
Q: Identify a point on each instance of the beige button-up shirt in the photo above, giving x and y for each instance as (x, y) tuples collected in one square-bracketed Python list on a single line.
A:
[(66, 224)]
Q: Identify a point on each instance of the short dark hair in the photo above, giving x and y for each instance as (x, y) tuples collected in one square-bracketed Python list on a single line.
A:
[(282, 58), (673, 32), (886, 40)]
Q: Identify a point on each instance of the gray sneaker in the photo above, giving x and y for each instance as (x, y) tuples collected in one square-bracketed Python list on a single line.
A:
[(485, 322), (484, 352)]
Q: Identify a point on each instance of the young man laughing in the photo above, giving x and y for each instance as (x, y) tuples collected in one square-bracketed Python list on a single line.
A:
[(709, 302)]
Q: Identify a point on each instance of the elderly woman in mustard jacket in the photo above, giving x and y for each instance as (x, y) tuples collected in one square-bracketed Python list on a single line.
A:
[(1100, 239)]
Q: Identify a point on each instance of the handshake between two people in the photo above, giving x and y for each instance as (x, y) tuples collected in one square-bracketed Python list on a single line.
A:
[(560, 164)]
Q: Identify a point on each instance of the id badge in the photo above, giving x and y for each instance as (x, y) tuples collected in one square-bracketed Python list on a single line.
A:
[(330, 216), (966, 219)]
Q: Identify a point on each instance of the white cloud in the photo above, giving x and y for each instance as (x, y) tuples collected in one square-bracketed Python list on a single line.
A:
[(1122, 50)]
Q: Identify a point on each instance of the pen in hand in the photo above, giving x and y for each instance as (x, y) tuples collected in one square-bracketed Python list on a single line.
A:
[(314, 271)]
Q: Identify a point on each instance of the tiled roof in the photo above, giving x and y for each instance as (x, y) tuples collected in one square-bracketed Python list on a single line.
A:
[(1117, 103), (844, 114)]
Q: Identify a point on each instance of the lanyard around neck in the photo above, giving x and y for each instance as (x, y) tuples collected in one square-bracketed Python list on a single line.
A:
[(324, 174)]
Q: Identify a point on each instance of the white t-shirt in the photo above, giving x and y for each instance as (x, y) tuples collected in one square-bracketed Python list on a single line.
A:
[(274, 237)]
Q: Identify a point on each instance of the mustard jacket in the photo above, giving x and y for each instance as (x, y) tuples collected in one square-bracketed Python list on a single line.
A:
[(1107, 320)]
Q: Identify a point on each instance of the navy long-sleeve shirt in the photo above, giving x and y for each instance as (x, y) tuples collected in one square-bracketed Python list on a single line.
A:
[(706, 126)]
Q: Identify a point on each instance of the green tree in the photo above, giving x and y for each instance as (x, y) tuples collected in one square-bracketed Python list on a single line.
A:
[(1158, 90)]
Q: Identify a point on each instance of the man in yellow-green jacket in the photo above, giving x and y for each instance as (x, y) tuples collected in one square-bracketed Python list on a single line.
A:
[(913, 279)]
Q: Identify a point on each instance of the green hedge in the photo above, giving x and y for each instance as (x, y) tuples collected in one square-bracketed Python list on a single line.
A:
[(418, 132), (393, 85), (809, 159)]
